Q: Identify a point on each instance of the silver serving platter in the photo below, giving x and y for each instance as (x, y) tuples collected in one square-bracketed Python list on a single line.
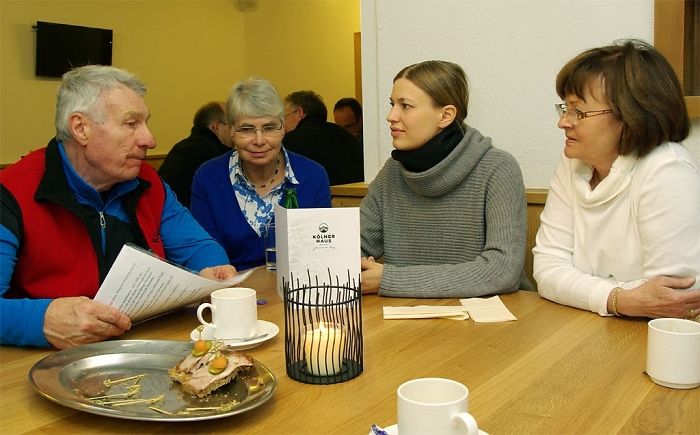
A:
[(70, 377)]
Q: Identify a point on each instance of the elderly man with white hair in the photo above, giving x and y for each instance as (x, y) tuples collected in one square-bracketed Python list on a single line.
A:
[(66, 211)]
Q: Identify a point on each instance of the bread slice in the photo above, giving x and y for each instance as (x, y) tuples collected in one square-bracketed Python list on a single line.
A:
[(183, 371), (193, 372)]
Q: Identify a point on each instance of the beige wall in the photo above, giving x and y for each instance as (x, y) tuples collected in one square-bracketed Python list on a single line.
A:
[(511, 51), (304, 45), (187, 52)]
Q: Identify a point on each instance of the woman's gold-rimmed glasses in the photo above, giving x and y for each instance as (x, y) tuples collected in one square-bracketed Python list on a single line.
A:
[(574, 115)]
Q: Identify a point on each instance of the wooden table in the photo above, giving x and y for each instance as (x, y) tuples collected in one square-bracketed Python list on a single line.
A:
[(554, 370)]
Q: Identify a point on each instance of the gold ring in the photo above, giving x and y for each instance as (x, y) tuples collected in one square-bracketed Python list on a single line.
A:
[(692, 313)]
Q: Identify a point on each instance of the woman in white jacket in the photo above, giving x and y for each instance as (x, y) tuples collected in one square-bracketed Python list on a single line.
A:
[(620, 232)]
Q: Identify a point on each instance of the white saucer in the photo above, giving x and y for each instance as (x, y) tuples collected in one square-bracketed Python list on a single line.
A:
[(264, 327), (394, 430)]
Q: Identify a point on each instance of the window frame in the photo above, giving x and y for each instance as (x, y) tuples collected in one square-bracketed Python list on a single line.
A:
[(675, 41)]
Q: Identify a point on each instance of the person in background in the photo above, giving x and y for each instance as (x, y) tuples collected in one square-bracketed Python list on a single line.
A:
[(347, 113), (312, 136), (448, 210), (66, 211), (233, 195), (210, 137), (619, 231)]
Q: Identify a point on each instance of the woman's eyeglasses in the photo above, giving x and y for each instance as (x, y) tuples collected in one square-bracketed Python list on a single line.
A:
[(267, 130), (574, 116)]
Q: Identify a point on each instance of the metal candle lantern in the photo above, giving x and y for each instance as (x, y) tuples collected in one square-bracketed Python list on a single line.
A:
[(323, 330)]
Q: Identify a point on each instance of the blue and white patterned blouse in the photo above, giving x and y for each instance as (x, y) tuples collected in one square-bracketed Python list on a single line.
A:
[(257, 210)]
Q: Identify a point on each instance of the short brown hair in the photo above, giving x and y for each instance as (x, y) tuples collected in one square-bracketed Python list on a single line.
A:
[(310, 101), (641, 88), (210, 112), (445, 82)]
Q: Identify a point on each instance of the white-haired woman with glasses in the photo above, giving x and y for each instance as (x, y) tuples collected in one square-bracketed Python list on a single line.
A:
[(620, 231), (233, 195)]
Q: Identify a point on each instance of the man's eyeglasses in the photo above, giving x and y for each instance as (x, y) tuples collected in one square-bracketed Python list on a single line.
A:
[(267, 130), (293, 111), (574, 116), (348, 126)]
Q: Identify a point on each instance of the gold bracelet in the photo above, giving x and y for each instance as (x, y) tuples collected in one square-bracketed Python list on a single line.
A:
[(617, 292)]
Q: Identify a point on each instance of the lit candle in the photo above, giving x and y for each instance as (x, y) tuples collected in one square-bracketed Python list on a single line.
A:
[(324, 350)]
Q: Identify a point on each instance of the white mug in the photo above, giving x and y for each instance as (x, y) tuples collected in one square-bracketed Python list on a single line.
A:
[(434, 406), (673, 353), (234, 313)]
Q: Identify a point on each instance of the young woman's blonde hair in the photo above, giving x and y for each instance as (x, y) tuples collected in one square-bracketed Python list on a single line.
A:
[(445, 82)]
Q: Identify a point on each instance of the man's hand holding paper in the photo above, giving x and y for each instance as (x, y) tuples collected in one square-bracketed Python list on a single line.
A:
[(219, 273), (70, 322)]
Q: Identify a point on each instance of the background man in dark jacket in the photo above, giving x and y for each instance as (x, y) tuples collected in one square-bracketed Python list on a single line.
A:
[(210, 137), (311, 135), (347, 113)]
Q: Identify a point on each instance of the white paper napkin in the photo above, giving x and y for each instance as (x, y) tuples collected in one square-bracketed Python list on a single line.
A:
[(487, 309), (426, 312)]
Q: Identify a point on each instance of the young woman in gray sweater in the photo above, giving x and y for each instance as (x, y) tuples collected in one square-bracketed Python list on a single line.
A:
[(448, 210)]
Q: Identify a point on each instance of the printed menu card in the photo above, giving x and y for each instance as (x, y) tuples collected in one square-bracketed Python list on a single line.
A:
[(142, 286), (320, 244)]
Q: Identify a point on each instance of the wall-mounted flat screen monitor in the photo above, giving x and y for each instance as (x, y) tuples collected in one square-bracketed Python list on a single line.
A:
[(61, 47)]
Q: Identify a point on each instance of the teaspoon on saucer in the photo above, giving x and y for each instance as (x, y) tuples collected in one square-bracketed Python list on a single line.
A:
[(200, 328), (255, 337)]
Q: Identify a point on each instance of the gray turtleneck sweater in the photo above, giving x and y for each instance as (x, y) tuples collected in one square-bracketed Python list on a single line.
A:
[(456, 230)]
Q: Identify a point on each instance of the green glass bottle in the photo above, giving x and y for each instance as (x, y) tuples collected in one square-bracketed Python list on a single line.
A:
[(290, 198)]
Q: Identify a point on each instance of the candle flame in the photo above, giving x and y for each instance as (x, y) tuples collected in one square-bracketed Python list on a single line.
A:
[(322, 328)]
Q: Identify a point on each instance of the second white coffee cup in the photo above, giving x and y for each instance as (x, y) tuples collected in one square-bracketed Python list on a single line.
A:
[(234, 313), (434, 406), (673, 353)]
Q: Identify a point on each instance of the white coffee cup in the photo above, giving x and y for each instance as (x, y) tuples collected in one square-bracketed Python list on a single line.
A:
[(434, 406), (673, 353), (234, 313)]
